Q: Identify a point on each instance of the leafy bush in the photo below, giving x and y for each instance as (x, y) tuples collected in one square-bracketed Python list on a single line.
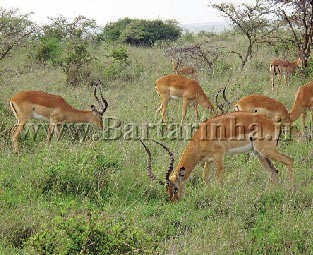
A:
[(120, 54), (121, 68), (15, 29), (113, 30), (89, 177), (49, 49), (87, 234), (141, 32), (66, 43)]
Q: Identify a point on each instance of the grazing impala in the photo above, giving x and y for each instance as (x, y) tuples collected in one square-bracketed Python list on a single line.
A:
[(267, 106), (303, 103), (235, 132), (28, 105), (279, 67), (180, 87), (184, 70)]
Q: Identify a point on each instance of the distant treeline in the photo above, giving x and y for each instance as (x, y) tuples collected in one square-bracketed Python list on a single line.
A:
[(141, 32)]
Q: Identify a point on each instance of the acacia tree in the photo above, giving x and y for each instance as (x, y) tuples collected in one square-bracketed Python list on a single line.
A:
[(76, 36), (251, 21), (15, 28), (296, 18)]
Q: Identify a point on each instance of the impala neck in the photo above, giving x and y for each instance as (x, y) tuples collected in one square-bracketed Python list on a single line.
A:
[(205, 102), (295, 63), (296, 110), (80, 116), (189, 161)]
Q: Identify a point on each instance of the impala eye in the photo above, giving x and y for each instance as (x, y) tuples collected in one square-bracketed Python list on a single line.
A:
[(175, 190)]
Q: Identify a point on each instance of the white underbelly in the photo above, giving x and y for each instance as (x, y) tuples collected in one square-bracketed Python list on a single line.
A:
[(241, 149), (38, 116), (206, 159), (175, 97)]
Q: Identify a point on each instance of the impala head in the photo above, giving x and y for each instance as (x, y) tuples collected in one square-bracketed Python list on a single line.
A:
[(173, 184), (300, 62), (176, 63), (103, 105), (220, 106)]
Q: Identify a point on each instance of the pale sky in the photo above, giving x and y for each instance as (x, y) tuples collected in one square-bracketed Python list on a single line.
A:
[(104, 11)]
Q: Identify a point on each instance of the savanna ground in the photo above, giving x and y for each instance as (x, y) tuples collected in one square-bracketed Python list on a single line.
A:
[(94, 196)]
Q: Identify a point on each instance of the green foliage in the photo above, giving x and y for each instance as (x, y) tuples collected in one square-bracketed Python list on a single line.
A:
[(62, 178), (113, 30), (49, 49), (94, 196), (66, 43), (122, 68), (120, 54), (15, 29), (141, 32), (89, 234)]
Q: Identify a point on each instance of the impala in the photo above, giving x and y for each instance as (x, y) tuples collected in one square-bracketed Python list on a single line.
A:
[(303, 103), (27, 105), (235, 132), (179, 87), (184, 70), (279, 67), (267, 106)]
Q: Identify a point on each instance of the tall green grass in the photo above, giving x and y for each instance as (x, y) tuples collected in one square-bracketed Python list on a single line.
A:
[(94, 197)]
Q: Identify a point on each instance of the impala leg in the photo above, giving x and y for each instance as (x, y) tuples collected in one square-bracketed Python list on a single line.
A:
[(268, 165), (272, 153), (206, 170), (53, 127), (13, 128), (184, 110), (279, 77), (15, 132), (159, 108), (272, 79), (58, 130), (304, 114), (195, 105), (164, 105), (219, 161)]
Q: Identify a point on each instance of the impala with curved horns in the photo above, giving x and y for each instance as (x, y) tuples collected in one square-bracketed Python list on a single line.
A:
[(275, 110), (303, 103), (185, 70), (235, 132), (174, 86), (265, 105), (27, 105), (279, 67)]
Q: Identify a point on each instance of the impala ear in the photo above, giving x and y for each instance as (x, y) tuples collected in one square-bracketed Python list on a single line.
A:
[(93, 108)]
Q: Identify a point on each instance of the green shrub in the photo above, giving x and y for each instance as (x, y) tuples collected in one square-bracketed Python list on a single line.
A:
[(87, 234), (122, 70), (120, 54), (141, 32), (49, 49), (88, 178)]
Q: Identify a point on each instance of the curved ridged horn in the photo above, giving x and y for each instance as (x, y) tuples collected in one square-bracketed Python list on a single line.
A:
[(218, 105), (171, 165), (104, 104), (149, 169), (225, 99)]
